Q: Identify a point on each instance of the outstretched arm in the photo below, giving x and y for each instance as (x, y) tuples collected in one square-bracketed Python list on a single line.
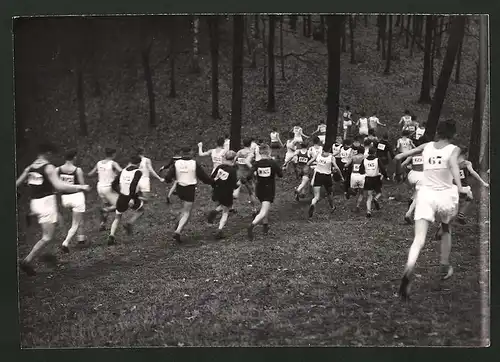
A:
[(59, 185), (117, 167), (476, 175), (93, 171), (290, 159), (23, 177), (455, 171), (153, 172), (409, 153), (200, 150)]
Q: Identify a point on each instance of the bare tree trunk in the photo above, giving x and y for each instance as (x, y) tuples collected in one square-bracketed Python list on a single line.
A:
[(293, 22), (389, 47), (407, 43), (344, 40), (414, 33), (149, 85), (351, 40), (195, 64), (253, 42), (80, 96), (283, 77), (309, 26), (335, 25), (383, 28), (264, 46), (425, 91), (271, 99), (257, 27), (237, 96), (456, 36), (459, 61), (172, 35), (322, 28), (366, 21), (213, 22), (304, 26), (439, 36), (379, 31)]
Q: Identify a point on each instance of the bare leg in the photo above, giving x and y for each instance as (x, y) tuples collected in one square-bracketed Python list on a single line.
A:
[(47, 236), (185, 216), (75, 225)]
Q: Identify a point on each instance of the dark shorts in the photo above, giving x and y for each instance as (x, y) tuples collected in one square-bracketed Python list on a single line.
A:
[(323, 180), (275, 145), (265, 193), (122, 203), (303, 170), (244, 175), (223, 197), (373, 184), (186, 193)]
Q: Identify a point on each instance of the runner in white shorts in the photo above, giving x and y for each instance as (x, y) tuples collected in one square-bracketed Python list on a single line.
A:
[(107, 170), (217, 153), (146, 167), (298, 133), (43, 181), (291, 147), (437, 196), (357, 182), (73, 175)]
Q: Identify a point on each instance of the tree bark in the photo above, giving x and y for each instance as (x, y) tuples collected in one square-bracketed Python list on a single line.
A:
[(439, 35), (456, 36), (195, 64), (172, 36), (257, 27), (304, 26), (407, 43), (344, 40), (271, 100), (389, 48), (334, 34), (149, 85), (383, 28), (264, 47), (414, 33), (351, 40), (475, 132), (237, 96), (366, 21), (459, 61), (309, 26), (214, 52), (379, 31), (322, 28), (80, 96), (293, 22), (254, 44), (283, 77), (425, 90)]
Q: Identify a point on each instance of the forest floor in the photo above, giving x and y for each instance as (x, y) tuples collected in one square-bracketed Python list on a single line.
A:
[(328, 280)]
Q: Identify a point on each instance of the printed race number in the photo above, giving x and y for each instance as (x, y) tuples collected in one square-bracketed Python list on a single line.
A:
[(355, 168), (70, 179), (222, 175), (381, 146), (417, 160), (264, 171), (34, 178)]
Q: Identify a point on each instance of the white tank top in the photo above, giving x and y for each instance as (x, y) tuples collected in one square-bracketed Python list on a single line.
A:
[(322, 128), (227, 143), (345, 155), (324, 164), (106, 173), (363, 123), (217, 155), (185, 172), (126, 178), (404, 145), (143, 167), (336, 149), (312, 152), (371, 167), (274, 137), (437, 173), (406, 120), (290, 146), (297, 132), (322, 138)]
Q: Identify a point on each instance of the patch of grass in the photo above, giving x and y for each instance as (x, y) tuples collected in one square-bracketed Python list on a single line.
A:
[(328, 280)]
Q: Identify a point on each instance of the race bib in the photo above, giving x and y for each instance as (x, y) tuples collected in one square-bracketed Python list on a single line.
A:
[(435, 163), (322, 129), (411, 128), (417, 160), (371, 165), (34, 178), (321, 161), (126, 179), (222, 175), (264, 171), (462, 174), (344, 154), (381, 146), (355, 167), (241, 160), (70, 179), (303, 159)]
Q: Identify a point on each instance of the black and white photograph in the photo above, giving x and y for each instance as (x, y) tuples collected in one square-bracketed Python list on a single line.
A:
[(253, 180)]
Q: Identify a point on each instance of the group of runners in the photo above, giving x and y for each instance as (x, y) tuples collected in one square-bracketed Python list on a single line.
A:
[(436, 172)]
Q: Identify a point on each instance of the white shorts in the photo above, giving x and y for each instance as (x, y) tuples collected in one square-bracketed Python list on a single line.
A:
[(75, 202), (322, 138), (415, 179), (430, 203), (357, 181), (45, 209), (363, 131), (289, 156), (144, 185), (107, 194), (298, 140)]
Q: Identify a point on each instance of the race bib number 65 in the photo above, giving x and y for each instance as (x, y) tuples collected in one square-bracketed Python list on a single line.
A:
[(264, 171)]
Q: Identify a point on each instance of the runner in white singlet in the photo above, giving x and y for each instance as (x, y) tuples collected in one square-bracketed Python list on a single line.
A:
[(217, 154)]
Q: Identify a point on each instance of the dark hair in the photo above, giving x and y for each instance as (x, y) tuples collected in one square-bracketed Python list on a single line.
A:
[(407, 111), (46, 147), (464, 150), (264, 149), (367, 142), (347, 108), (220, 142), (405, 133), (226, 136), (363, 114), (446, 129), (291, 134), (372, 150), (413, 118), (371, 132), (135, 160), (140, 150), (424, 123), (275, 129), (109, 152), (185, 150), (260, 140), (347, 142), (70, 155), (303, 145), (316, 140), (360, 149), (247, 142)]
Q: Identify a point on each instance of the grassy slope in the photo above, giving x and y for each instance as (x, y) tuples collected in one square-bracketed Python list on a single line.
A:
[(329, 280)]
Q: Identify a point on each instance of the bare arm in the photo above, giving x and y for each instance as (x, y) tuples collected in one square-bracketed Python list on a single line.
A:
[(303, 135), (476, 175), (291, 158), (200, 151), (409, 153), (117, 167), (59, 185), (455, 170), (279, 140), (405, 162), (79, 175), (93, 171), (248, 160), (153, 172), (23, 177), (312, 159), (335, 167)]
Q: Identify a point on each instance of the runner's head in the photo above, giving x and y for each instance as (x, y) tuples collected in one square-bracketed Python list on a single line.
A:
[(303, 146), (372, 151), (414, 118), (186, 151), (140, 151), (446, 129), (46, 149), (265, 150), (135, 160), (405, 133), (247, 142), (110, 152), (407, 112), (423, 124), (363, 114), (229, 157), (361, 150), (220, 142), (316, 140), (367, 143), (347, 108), (226, 136), (347, 142), (275, 129), (338, 140), (357, 141), (70, 156), (463, 154)]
